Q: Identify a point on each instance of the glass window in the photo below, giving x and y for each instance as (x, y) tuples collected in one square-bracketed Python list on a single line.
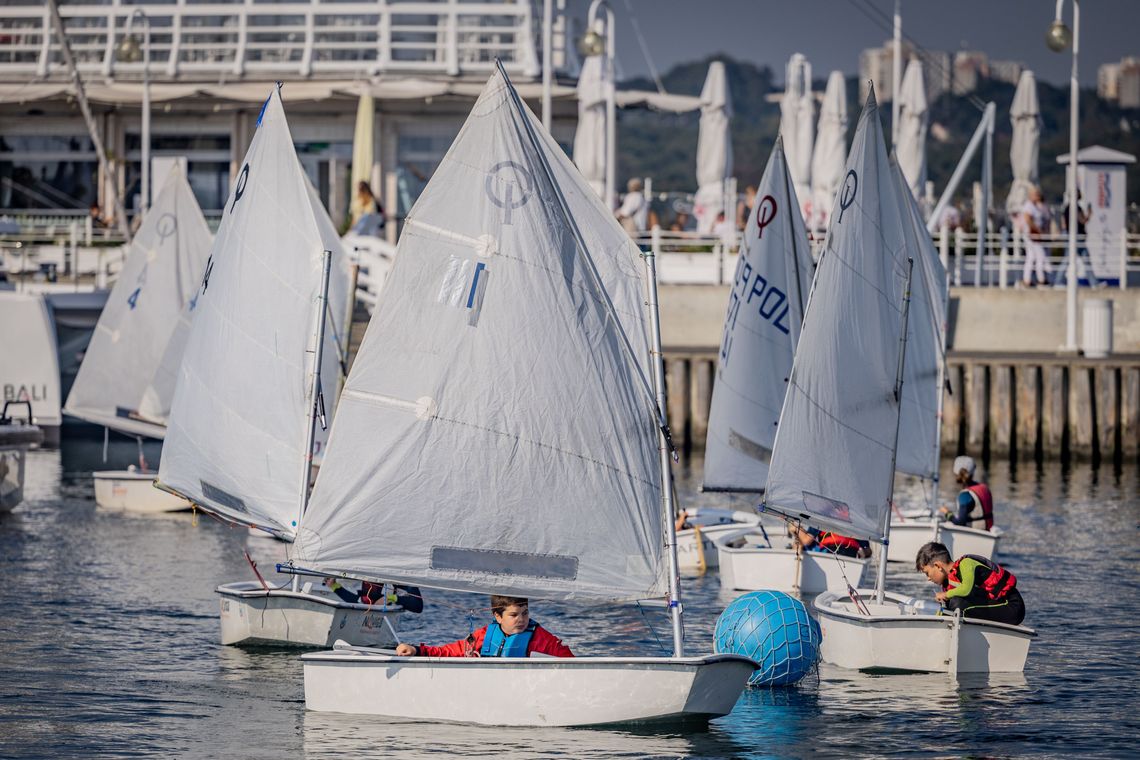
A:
[(47, 171)]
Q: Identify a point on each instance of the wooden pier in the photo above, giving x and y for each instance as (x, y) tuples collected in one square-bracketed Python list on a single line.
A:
[(1023, 407)]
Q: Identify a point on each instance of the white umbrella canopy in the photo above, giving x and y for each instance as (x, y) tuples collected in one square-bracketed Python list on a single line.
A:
[(797, 114), (914, 120), (1023, 149), (594, 84), (363, 139), (828, 161), (714, 147)]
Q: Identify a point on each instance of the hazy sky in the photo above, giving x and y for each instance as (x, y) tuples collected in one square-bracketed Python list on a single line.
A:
[(831, 33)]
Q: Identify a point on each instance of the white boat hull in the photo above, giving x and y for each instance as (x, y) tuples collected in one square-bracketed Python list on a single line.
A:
[(694, 556), (134, 491), (755, 566), (310, 617), (908, 536), (535, 691), (895, 638)]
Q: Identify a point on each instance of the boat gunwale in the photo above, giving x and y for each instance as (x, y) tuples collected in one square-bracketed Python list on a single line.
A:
[(374, 657), (261, 593)]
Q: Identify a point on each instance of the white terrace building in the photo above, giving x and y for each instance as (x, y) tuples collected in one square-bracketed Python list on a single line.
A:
[(212, 64)]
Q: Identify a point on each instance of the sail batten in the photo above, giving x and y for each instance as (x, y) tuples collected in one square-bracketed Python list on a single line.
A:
[(833, 457), (762, 326), (496, 433)]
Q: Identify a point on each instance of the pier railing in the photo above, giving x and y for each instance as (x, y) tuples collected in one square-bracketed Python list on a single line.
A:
[(689, 258), (345, 38)]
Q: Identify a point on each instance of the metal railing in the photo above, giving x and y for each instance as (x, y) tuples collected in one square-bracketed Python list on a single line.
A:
[(689, 258), (208, 40)]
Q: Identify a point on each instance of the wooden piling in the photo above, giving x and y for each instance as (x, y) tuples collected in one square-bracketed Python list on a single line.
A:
[(1001, 403), (677, 400), (1082, 420), (1107, 410), (976, 408), (952, 411), (1130, 413), (1028, 415), (1054, 409), (702, 399)]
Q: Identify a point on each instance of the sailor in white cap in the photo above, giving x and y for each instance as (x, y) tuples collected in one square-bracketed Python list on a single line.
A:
[(974, 495)]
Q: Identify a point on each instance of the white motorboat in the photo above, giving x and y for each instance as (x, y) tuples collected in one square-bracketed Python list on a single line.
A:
[(889, 631), (905, 634), (133, 490), (30, 367), (457, 461), (749, 563), (257, 382)]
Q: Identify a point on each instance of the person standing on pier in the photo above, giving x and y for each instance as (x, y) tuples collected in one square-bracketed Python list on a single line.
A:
[(1034, 223), (973, 494)]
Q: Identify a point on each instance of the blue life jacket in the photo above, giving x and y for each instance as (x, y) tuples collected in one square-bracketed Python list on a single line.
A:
[(498, 644)]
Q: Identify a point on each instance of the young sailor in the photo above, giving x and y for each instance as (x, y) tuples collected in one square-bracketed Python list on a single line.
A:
[(973, 494), (408, 597), (978, 587), (817, 540), (513, 634)]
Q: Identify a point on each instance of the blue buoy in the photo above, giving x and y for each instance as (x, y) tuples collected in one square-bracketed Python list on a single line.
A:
[(773, 629)]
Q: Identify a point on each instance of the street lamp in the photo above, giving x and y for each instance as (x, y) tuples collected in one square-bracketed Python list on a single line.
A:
[(599, 40), (1058, 38), (129, 52)]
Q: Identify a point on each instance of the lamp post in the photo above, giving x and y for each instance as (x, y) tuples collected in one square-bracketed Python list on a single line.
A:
[(129, 52), (1058, 38), (599, 40)]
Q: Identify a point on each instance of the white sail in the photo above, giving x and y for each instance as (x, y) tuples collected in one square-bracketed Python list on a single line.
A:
[(236, 443), (833, 458), (122, 383), (761, 329), (918, 450), (497, 430)]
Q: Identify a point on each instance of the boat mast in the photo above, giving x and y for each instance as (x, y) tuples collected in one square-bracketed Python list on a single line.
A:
[(881, 575), (317, 352), (675, 608), (941, 401)]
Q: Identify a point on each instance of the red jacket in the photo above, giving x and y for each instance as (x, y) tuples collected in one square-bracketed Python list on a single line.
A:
[(542, 641)]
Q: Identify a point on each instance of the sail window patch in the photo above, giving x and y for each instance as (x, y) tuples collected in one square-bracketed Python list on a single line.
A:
[(825, 507), (504, 563), (464, 285), (223, 498)]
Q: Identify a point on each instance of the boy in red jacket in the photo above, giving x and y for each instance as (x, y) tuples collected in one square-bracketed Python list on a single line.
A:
[(513, 634)]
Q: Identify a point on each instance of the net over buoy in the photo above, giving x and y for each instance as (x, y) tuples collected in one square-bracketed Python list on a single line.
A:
[(773, 629)]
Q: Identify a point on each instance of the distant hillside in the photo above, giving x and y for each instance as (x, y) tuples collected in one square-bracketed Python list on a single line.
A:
[(664, 146)]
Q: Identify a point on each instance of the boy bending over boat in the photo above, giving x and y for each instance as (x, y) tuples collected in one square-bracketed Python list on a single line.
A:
[(978, 587), (512, 634)]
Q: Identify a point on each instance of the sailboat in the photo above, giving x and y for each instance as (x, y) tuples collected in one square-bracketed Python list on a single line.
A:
[(920, 441), (872, 629), (761, 329), (833, 455), (126, 381), (258, 383), (502, 431)]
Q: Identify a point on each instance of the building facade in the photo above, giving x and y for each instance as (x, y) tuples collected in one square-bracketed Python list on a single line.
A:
[(209, 67)]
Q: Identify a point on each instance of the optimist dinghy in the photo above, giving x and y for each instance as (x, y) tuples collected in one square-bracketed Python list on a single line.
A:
[(126, 381), (873, 629), (920, 440), (502, 431), (761, 329), (257, 383)]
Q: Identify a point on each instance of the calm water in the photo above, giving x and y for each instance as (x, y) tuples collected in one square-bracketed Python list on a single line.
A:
[(109, 644)]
